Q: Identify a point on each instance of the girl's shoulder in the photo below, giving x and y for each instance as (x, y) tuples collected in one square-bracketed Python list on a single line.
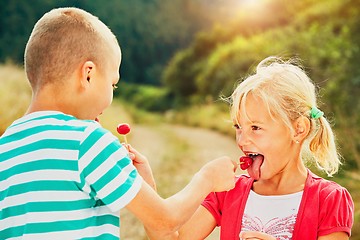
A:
[(332, 202), (323, 185), (327, 191)]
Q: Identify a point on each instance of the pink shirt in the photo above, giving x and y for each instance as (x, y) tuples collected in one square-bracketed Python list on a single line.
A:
[(325, 208)]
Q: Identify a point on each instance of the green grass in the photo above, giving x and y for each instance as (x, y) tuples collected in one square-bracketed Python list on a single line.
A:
[(149, 98)]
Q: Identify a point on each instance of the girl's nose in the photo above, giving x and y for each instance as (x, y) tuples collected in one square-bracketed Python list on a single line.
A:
[(242, 139)]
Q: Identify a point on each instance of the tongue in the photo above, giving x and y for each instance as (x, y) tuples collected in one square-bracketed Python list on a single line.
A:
[(254, 169)]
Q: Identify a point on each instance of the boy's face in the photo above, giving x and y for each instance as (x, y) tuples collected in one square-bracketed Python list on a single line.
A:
[(103, 86)]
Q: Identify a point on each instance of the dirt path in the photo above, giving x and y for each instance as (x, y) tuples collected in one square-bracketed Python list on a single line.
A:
[(175, 153)]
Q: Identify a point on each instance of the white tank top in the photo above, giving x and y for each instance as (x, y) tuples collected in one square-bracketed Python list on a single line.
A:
[(273, 215)]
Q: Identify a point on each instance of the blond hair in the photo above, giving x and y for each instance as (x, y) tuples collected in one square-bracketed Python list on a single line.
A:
[(289, 93), (63, 39)]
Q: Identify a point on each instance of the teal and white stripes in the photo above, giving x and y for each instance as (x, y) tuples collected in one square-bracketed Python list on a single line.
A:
[(62, 178)]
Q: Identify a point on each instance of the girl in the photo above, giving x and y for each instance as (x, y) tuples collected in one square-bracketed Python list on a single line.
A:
[(279, 126)]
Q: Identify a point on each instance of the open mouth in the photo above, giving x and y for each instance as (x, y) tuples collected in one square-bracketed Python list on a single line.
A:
[(252, 155), (254, 169)]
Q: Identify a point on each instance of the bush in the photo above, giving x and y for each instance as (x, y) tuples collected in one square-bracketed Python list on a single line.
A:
[(146, 97)]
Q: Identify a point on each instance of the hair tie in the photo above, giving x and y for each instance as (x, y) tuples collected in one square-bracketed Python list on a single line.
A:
[(316, 113)]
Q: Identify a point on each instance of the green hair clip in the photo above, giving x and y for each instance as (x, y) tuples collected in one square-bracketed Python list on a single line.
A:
[(316, 113)]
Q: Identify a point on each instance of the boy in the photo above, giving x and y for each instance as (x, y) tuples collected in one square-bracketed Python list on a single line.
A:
[(62, 176)]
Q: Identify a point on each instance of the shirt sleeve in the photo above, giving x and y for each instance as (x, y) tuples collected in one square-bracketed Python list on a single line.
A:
[(107, 170), (213, 204), (220, 204), (337, 212)]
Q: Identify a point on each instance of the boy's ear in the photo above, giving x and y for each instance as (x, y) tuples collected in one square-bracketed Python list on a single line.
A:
[(87, 72), (302, 128)]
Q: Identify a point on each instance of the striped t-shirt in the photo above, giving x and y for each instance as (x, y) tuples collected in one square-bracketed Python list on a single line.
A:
[(62, 178)]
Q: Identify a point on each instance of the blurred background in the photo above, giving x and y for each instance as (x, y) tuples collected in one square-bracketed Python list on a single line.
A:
[(180, 56)]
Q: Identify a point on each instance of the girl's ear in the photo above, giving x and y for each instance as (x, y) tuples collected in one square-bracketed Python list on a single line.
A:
[(302, 128), (87, 72)]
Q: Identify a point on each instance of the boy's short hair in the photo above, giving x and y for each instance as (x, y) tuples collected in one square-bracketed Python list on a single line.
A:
[(63, 39)]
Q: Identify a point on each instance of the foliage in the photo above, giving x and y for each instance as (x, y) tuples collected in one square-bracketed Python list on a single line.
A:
[(149, 32), (179, 75), (324, 34), (17, 19), (148, 98)]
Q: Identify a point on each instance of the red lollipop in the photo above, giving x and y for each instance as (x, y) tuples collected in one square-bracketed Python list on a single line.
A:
[(245, 162), (123, 129)]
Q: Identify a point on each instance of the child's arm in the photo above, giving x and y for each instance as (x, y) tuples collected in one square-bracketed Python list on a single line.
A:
[(142, 165), (163, 217), (200, 225)]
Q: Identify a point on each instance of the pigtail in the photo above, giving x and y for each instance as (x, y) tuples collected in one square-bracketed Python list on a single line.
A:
[(323, 147)]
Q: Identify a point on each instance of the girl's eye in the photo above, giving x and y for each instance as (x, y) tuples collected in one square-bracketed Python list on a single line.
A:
[(255, 128), (236, 126)]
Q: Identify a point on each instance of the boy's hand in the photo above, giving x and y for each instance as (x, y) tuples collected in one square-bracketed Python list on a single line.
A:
[(220, 173), (142, 165)]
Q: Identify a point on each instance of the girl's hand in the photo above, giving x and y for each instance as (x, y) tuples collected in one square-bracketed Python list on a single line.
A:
[(253, 235), (142, 165)]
